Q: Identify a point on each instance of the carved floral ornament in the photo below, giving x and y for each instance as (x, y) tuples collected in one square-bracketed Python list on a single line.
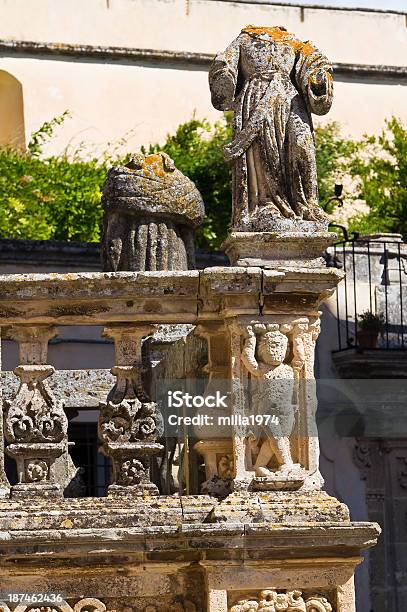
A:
[(129, 421), (90, 604), (35, 415), (36, 470), (291, 601)]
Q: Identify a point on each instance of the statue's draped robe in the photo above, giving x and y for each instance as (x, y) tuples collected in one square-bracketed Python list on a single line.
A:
[(272, 82)]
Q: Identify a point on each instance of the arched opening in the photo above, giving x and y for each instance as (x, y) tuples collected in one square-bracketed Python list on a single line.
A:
[(12, 132)]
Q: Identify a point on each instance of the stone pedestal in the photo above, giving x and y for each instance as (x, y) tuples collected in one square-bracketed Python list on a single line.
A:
[(276, 249), (131, 467), (36, 469)]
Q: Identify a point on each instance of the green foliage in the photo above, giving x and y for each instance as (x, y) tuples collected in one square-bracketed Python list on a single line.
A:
[(333, 154), (197, 150), (46, 131), (380, 168), (52, 198), (368, 321)]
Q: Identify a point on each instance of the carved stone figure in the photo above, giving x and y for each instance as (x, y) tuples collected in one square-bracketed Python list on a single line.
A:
[(264, 355), (273, 601), (273, 82), (150, 213)]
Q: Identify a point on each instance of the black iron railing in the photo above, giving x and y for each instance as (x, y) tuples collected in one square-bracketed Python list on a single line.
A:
[(370, 301)]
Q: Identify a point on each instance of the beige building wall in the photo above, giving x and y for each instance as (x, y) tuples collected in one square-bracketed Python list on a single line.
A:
[(12, 130), (112, 97)]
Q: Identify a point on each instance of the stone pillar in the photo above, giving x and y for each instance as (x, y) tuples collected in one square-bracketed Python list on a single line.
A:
[(129, 424), (35, 423), (216, 445)]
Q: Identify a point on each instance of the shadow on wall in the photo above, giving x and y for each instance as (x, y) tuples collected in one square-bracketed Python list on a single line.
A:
[(12, 128)]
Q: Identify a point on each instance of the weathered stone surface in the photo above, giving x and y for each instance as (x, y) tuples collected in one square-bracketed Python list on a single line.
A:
[(74, 388), (284, 249), (273, 82), (276, 541), (161, 297), (281, 507), (273, 401), (150, 212), (286, 601), (35, 422)]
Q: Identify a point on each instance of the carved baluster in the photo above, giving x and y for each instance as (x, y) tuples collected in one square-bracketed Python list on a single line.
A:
[(129, 424), (35, 422), (216, 443)]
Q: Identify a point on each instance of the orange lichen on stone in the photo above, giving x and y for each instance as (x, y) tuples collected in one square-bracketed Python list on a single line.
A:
[(281, 36), (154, 163)]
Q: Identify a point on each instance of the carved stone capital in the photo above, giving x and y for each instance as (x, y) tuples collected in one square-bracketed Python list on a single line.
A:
[(127, 341), (32, 342)]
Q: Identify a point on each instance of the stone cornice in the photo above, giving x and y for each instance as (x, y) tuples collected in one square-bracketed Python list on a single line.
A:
[(49, 50), (190, 296), (135, 532)]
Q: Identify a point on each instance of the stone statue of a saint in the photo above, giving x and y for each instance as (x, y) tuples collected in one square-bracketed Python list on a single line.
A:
[(272, 82), (264, 354)]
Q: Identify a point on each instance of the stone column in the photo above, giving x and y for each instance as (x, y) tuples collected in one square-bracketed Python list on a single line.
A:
[(129, 424), (35, 423), (216, 445)]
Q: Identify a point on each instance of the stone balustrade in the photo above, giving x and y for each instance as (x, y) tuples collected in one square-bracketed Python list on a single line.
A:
[(276, 540), (129, 306)]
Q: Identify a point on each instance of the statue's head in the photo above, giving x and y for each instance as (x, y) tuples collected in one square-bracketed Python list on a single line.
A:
[(272, 347)]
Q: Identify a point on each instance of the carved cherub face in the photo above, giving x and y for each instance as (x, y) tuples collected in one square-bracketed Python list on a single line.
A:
[(272, 348)]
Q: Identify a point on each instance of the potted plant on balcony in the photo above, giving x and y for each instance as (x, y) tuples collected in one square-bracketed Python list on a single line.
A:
[(370, 325)]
